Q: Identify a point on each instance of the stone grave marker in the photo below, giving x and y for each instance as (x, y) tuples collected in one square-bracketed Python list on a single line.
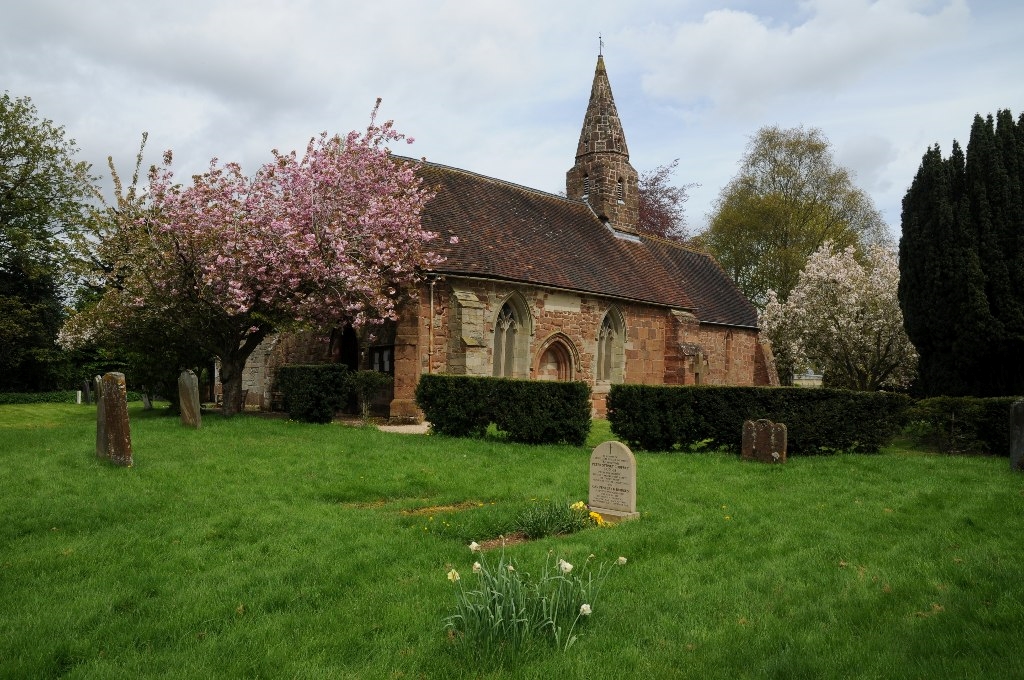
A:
[(101, 422), (1017, 435), (115, 418), (764, 441), (188, 396), (613, 481), (86, 392)]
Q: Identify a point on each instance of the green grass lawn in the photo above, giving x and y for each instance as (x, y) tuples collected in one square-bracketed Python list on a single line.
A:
[(267, 548)]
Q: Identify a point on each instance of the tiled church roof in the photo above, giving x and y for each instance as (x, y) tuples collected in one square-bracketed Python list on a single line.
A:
[(506, 231)]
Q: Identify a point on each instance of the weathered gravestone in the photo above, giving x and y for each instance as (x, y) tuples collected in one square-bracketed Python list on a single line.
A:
[(613, 481), (101, 422), (1017, 435), (188, 396), (86, 392), (115, 419), (764, 441)]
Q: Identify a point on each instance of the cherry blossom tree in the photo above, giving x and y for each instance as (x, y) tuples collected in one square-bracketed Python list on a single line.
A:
[(843, 318), (331, 238)]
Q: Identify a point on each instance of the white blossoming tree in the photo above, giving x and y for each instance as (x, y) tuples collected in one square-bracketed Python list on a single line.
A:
[(844, 319)]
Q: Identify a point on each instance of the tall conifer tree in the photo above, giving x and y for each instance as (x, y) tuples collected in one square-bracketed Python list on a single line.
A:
[(962, 263)]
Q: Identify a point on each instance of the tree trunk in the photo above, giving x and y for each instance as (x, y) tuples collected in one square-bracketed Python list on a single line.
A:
[(231, 371), (232, 368)]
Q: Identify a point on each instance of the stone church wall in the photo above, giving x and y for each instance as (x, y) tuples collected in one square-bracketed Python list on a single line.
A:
[(661, 346)]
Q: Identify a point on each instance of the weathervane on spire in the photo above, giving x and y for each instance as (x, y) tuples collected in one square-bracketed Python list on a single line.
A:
[(600, 45)]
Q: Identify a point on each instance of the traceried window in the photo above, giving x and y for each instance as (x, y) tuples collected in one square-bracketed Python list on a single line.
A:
[(610, 348), (506, 328)]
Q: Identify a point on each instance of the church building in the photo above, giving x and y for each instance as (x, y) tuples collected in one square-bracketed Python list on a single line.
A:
[(546, 287)]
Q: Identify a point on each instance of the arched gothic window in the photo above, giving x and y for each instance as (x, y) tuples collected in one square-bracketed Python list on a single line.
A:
[(505, 330), (611, 353)]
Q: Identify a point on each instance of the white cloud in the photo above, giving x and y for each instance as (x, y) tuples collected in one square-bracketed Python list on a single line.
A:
[(740, 60), (501, 87)]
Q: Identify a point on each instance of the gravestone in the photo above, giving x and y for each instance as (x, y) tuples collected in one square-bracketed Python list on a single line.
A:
[(86, 392), (764, 441), (613, 481), (101, 422), (115, 418), (1017, 435), (188, 397)]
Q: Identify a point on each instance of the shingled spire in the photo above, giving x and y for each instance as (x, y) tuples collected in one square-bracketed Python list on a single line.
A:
[(602, 175)]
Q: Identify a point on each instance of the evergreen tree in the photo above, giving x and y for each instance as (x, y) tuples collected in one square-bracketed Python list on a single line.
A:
[(962, 263)]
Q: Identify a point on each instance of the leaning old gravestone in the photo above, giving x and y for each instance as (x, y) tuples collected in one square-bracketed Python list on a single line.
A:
[(613, 481), (1017, 435), (115, 418), (101, 422), (188, 396), (764, 441)]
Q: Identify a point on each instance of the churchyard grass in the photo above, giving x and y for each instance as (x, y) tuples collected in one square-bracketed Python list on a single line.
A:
[(258, 547)]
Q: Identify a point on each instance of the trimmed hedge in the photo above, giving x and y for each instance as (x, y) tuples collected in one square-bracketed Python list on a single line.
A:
[(818, 421), (313, 393), (529, 411), (61, 397), (963, 424)]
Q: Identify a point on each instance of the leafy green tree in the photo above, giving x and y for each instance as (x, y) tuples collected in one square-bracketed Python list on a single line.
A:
[(44, 194), (962, 263), (788, 199)]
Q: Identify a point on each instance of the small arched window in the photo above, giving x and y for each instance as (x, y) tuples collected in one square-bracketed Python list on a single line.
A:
[(611, 355), (506, 328)]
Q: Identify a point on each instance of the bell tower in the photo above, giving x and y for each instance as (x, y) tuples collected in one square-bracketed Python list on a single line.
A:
[(602, 175)]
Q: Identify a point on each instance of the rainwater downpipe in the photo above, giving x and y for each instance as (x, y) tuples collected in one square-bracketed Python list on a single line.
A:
[(430, 327)]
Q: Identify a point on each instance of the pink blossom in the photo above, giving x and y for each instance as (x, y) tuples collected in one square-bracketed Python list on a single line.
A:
[(328, 237)]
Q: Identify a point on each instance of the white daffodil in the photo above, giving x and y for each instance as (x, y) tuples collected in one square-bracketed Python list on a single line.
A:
[(477, 568), (564, 566), (585, 610), (620, 561), (474, 547), (453, 576)]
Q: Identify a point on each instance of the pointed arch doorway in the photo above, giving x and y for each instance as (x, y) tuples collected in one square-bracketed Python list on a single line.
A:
[(556, 360)]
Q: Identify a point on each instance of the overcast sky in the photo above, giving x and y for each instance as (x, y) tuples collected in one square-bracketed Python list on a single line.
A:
[(500, 87)]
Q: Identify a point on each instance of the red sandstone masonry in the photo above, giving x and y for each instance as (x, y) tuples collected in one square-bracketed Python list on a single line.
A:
[(652, 345)]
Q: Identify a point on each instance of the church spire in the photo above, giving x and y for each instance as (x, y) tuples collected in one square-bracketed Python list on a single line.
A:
[(602, 174)]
